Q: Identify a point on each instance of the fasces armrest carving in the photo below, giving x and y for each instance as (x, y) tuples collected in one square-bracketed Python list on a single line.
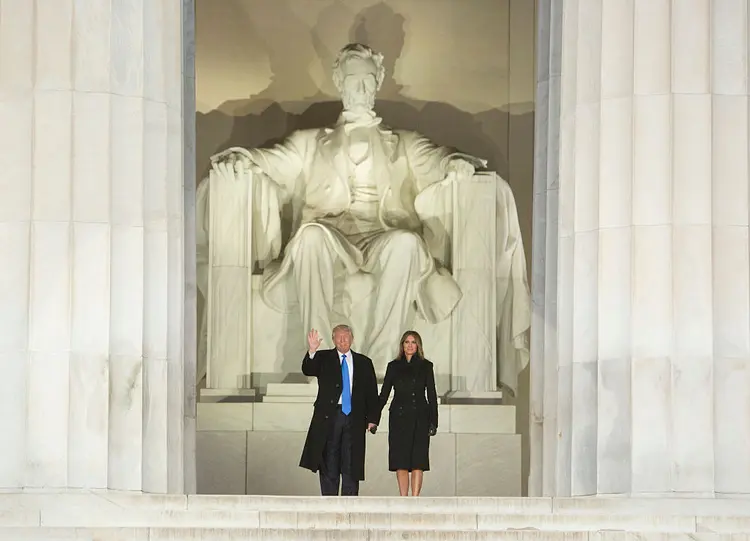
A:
[(239, 226)]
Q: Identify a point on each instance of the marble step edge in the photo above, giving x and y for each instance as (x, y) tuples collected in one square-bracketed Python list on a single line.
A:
[(695, 507), (83, 517), (534, 506), (228, 534)]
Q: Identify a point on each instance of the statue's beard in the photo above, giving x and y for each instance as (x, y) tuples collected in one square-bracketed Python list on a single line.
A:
[(361, 102)]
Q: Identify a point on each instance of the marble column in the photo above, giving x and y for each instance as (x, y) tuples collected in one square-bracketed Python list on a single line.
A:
[(641, 264), (91, 244)]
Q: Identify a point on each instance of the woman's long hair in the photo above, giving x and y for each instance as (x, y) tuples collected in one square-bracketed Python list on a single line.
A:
[(417, 339)]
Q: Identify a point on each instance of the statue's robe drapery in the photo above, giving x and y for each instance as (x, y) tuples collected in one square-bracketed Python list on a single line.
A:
[(435, 207), (306, 174)]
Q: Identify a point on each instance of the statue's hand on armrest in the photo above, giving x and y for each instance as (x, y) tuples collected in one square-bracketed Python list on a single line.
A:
[(237, 158), (462, 168)]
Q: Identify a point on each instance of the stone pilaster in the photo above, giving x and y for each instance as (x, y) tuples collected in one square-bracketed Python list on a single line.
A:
[(642, 351), (91, 243)]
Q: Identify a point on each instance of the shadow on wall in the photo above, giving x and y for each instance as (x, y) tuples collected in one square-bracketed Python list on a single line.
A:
[(262, 120)]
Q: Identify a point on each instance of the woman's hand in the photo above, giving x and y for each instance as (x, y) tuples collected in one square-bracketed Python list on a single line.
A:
[(433, 430)]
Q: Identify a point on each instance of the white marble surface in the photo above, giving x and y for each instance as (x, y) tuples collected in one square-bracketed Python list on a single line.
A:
[(91, 239), (293, 416), (255, 447), (641, 375), (118, 516), (474, 320), (461, 465), (226, 534), (110, 501), (225, 416)]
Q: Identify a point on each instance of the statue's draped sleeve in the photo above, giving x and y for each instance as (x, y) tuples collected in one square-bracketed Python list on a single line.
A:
[(514, 297), (282, 163), (435, 208), (429, 162)]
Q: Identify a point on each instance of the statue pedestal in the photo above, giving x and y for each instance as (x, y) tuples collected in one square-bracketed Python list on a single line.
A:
[(302, 393), (254, 448), (227, 395), (475, 397)]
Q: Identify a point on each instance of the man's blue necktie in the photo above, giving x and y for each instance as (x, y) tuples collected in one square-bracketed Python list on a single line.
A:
[(346, 393)]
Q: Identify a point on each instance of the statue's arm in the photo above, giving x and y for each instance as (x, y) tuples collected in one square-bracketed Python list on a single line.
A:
[(282, 163), (430, 163)]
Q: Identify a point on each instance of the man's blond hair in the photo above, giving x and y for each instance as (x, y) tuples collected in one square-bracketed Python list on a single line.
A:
[(342, 327)]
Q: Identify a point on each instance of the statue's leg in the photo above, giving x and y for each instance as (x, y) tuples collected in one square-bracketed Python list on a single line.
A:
[(313, 261), (396, 259)]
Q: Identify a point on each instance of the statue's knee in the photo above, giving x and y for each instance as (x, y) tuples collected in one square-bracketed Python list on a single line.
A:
[(310, 236), (405, 242)]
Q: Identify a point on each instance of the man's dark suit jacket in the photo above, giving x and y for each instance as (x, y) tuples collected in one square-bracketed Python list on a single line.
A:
[(326, 366)]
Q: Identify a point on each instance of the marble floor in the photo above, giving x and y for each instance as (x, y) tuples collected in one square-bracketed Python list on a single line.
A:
[(108, 516)]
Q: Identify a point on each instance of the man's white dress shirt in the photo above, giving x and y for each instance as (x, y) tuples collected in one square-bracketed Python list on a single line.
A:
[(349, 365)]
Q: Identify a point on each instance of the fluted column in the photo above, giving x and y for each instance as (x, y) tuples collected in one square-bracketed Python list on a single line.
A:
[(91, 244), (644, 344)]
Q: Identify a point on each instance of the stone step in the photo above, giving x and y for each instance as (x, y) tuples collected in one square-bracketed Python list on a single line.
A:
[(35, 502), (123, 516), (250, 534), (394, 520), (696, 507), (83, 517)]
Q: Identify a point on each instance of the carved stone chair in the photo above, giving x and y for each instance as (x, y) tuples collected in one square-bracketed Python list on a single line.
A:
[(255, 346)]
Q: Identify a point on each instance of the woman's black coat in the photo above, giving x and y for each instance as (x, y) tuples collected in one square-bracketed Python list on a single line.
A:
[(413, 412)]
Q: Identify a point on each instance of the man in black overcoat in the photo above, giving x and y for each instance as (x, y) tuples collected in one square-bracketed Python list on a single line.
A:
[(345, 409)]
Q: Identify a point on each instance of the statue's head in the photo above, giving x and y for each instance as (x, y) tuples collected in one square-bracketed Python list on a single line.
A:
[(358, 74)]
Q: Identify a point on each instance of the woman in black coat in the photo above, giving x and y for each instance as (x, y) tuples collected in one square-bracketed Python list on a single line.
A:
[(413, 413)]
